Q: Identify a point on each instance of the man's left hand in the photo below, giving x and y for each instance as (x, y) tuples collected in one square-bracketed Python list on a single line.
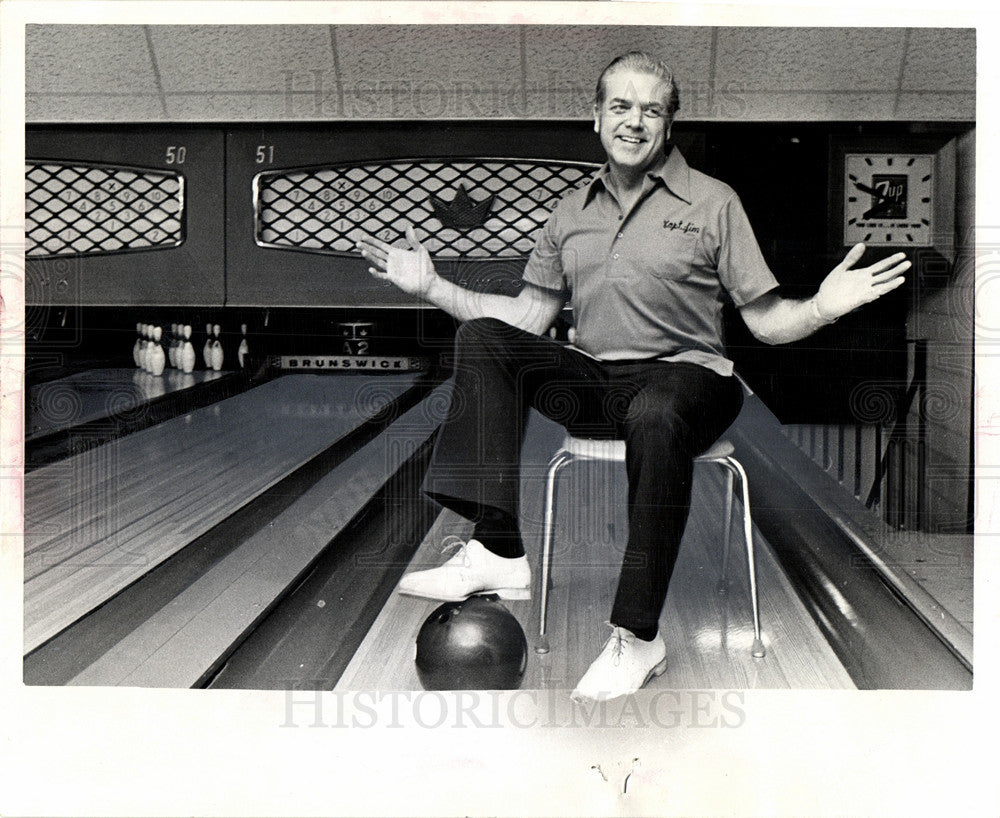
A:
[(847, 288)]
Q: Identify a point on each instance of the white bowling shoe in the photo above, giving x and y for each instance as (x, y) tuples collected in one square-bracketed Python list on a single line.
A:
[(472, 570), (625, 664)]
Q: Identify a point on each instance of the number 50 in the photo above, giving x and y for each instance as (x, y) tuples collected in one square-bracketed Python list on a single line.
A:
[(176, 154)]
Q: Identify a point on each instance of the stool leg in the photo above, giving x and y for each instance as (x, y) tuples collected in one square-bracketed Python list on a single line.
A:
[(723, 585), (737, 470), (560, 459)]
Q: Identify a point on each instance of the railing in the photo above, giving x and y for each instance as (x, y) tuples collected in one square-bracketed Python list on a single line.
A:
[(882, 459)]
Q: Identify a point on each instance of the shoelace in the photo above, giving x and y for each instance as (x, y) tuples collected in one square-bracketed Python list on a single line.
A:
[(452, 545), (618, 639)]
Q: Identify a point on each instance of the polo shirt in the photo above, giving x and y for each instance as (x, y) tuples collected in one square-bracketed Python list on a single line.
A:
[(650, 283)]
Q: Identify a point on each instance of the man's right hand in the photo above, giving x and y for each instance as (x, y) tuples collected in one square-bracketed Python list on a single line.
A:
[(412, 270)]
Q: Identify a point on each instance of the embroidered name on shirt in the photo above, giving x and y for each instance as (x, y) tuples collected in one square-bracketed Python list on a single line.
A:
[(683, 226)]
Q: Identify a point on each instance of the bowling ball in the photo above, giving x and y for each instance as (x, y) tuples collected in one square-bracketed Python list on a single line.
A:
[(476, 644)]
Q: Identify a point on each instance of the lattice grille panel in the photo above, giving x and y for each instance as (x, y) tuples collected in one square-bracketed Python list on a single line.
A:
[(74, 209), (481, 208)]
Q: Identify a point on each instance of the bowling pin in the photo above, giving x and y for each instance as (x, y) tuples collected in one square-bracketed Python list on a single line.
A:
[(137, 346), (206, 351), (150, 354), (158, 357), (150, 343), (178, 345), (151, 332), (144, 352), (244, 349), (187, 355), (217, 353), (172, 346)]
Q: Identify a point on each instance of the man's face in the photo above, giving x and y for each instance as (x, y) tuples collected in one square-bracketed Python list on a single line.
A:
[(632, 121)]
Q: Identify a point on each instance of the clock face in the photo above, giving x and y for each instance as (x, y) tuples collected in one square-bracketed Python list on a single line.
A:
[(888, 199)]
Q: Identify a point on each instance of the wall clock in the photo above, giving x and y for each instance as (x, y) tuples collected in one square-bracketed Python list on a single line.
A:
[(888, 199)]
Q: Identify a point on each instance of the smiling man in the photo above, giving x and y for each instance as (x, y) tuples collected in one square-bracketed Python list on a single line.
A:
[(646, 254)]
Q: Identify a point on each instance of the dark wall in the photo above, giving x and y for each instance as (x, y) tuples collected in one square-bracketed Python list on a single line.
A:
[(193, 272), (788, 177), (784, 174)]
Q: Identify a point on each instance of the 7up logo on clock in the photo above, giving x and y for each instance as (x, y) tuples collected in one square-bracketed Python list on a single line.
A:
[(888, 199)]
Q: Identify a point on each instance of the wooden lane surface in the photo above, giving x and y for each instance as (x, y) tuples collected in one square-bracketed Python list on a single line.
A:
[(96, 393), (201, 447), (708, 636), (183, 641), (201, 450), (97, 521)]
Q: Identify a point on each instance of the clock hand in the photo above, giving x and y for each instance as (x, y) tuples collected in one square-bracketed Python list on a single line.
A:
[(881, 199), (874, 210), (871, 190)]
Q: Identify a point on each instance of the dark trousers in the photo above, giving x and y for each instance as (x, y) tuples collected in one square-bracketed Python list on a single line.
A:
[(667, 413)]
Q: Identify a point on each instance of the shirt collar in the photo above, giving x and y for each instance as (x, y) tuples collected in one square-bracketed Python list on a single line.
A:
[(674, 173)]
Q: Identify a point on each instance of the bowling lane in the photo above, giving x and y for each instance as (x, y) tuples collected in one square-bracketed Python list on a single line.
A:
[(708, 636), (98, 521), (96, 393), (190, 636), (309, 637)]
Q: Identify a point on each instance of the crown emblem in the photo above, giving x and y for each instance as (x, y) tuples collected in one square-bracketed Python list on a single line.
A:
[(462, 212)]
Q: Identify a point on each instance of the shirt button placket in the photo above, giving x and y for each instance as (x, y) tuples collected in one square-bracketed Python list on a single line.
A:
[(614, 256)]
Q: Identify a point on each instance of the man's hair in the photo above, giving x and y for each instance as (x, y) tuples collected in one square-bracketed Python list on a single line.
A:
[(646, 63)]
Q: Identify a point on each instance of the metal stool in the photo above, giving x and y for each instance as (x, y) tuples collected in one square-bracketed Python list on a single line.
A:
[(579, 448)]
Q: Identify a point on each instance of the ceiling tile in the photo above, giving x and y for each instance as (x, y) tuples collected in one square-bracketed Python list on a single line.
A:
[(429, 105), (941, 60), (80, 59), (242, 58), (815, 106), (725, 106), (453, 71), (936, 106), (806, 59), (570, 58), (92, 108), (574, 103), (452, 60), (224, 107)]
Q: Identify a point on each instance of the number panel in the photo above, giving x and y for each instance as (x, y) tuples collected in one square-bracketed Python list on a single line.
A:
[(469, 209), (77, 209), (160, 245)]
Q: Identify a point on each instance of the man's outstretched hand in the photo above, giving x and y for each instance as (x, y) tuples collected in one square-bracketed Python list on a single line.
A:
[(847, 288), (410, 269)]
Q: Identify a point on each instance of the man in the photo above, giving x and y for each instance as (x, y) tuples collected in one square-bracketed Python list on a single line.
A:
[(645, 254)]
